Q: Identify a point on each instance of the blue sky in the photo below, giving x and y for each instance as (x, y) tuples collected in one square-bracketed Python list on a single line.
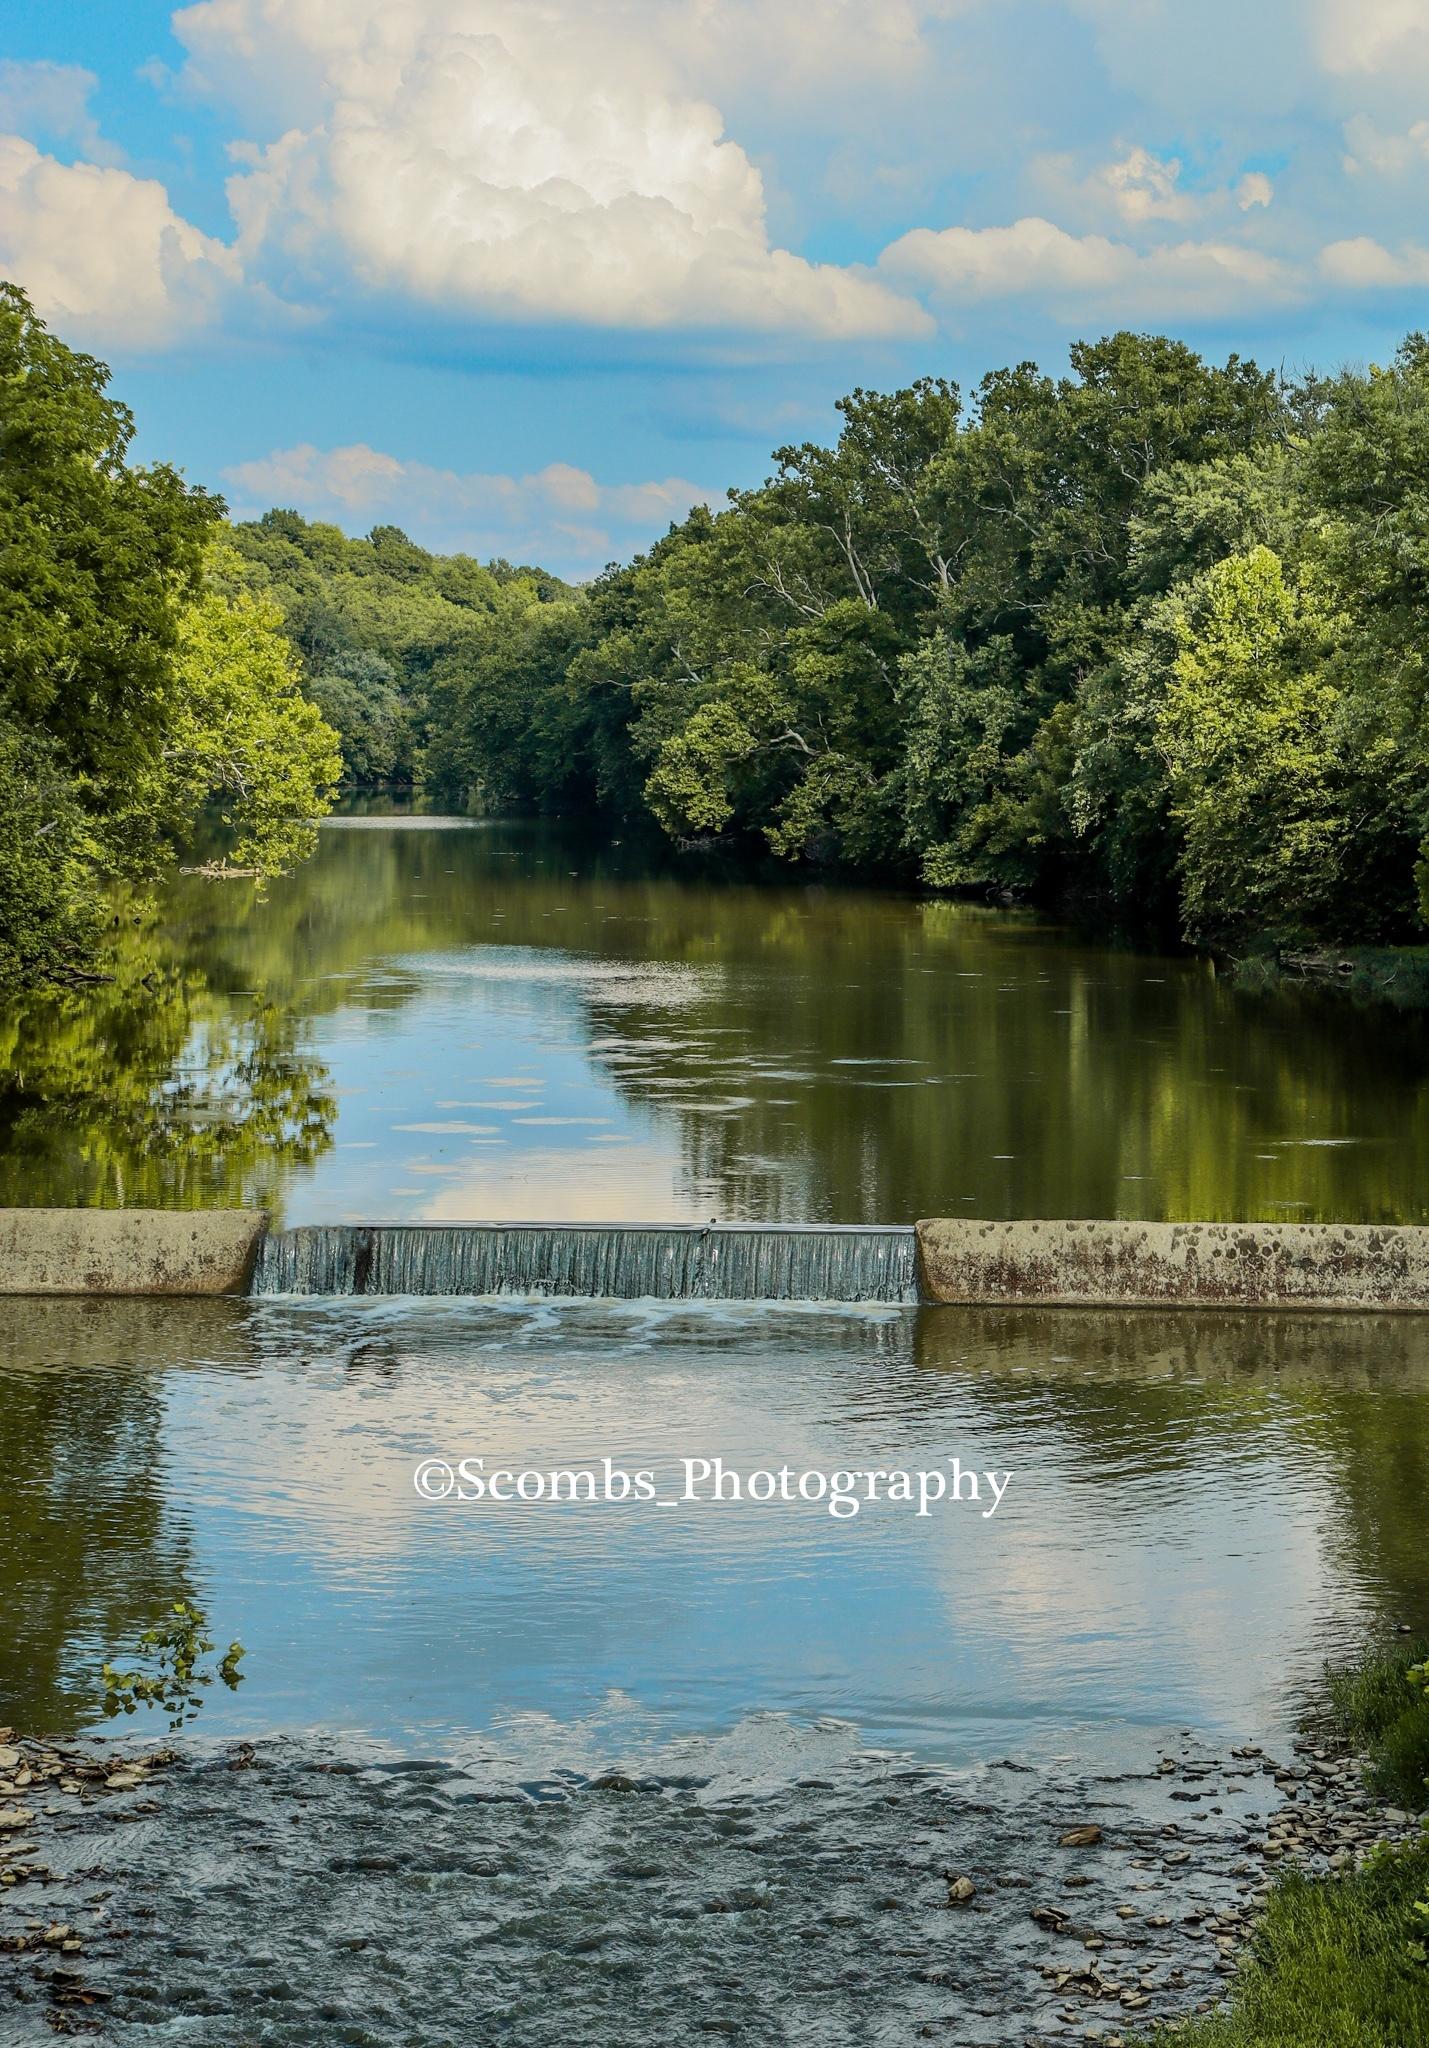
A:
[(532, 276)]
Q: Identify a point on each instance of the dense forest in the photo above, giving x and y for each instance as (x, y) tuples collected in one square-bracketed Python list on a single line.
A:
[(1149, 634)]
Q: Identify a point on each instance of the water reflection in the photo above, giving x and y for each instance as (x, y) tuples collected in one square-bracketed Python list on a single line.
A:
[(95, 1543), (441, 1020), (167, 1087), (1203, 1506)]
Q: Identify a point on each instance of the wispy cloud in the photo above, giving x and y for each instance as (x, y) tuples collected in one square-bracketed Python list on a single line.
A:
[(560, 516)]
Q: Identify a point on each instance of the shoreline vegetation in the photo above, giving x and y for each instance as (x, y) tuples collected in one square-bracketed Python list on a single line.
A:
[(1146, 639), (1341, 1960)]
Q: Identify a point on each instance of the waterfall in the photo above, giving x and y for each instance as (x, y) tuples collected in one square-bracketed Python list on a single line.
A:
[(669, 1262)]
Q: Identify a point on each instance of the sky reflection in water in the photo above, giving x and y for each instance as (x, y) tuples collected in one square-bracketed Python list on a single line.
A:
[(1202, 1506)]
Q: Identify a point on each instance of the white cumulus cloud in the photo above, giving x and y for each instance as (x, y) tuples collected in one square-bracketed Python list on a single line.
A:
[(1142, 186), (1372, 36), (561, 516), (1087, 273), (1139, 189), (51, 99), (1360, 263), (103, 254), (1389, 153), (485, 158)]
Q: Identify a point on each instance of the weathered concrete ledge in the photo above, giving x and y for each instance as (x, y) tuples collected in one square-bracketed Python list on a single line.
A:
[(1196, 1265), (128, 1251)]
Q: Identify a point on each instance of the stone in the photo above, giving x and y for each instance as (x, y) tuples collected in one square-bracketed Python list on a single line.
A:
[(961, 1890), (1084, 1837)]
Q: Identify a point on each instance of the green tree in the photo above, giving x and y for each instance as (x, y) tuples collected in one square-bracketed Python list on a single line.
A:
[(130, 694), (48, 911), (358, 695), (1368, 478), (1251, 726), (96, 559)]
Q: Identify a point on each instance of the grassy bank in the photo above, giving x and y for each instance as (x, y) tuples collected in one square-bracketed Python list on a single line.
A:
[(1398, 975), (1340, 1962)]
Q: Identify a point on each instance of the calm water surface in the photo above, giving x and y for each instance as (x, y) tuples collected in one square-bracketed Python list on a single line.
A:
[(442, 1019), (1202, 1506)]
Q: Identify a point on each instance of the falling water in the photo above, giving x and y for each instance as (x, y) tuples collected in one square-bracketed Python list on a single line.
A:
[(669, 1262)]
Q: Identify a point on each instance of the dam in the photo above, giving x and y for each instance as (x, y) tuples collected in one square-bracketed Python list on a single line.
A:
[(1066, 1263)]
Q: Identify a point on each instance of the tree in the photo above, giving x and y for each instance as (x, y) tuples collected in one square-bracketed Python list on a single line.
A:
[(129, 694), (242, 734), (48, 912), (1252, 733), (97, 558), (358, 694)]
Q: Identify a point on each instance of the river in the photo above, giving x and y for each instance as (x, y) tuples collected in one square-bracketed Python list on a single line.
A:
[(439, 1019)]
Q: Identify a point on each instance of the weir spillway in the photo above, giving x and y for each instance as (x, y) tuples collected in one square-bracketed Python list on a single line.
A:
[(968, 1260), (622, 1262)]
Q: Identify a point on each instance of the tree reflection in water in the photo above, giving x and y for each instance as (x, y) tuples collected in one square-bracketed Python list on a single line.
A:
[(158, 1089), (93, 1545)]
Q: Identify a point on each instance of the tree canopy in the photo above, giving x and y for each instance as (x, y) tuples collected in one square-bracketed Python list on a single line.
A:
[(132, 691), (1150, 633)]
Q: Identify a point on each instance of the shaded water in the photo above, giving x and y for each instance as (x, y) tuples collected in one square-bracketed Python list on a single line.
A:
[(437, 1020)]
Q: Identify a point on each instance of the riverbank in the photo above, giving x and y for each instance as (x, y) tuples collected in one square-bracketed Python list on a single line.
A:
[(1397, 976), (1339, 1960)]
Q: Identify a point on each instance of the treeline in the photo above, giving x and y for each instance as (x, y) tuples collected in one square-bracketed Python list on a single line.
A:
[(134, 691), (1150, 633), (381, 627)]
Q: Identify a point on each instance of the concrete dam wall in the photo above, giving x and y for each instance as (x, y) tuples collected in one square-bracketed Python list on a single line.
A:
[(1168, 1265), (1074, 1264), (128, 1251)]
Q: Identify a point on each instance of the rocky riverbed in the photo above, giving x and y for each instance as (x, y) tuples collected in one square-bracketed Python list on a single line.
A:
[(290, 1895)]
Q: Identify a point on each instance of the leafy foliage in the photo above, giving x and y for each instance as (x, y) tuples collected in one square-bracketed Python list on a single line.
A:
[(405, 653), (132, 692), (174, 1651), (1150, 632)]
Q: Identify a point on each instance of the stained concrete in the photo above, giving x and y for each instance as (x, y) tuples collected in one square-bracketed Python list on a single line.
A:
[(128, 1251), (1212, 1265)]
